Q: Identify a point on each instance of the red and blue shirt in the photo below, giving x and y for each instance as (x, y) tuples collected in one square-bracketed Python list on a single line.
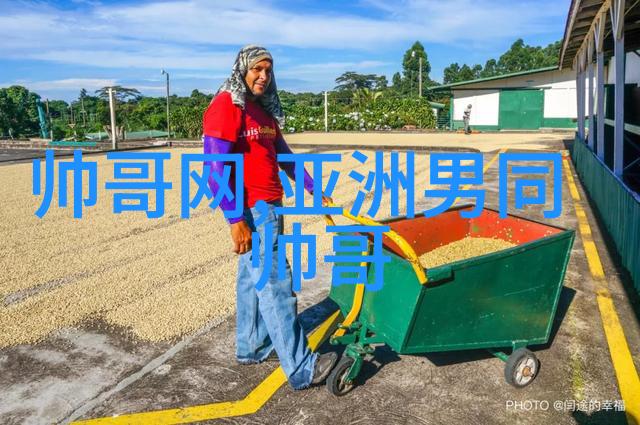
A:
[(253, 133)]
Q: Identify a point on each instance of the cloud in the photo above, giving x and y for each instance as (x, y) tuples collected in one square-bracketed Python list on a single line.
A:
[(137, 59), (205, 34), (151, 88), (198, 76), (329, 70), (197, 40), (67, 84)]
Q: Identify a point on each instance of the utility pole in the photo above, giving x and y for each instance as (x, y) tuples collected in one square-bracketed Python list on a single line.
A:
[(46, 104), (83, 112), (420, 77), (326, 113), (72, 121), (168, 125), (112, 110)]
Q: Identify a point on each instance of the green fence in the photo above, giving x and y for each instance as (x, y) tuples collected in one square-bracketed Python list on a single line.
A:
[(618, 206)]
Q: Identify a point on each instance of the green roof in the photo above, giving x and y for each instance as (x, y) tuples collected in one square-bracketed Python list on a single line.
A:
[(495, 77), (436, 105)]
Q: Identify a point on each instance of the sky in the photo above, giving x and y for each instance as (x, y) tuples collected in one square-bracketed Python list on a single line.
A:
[(56, 48)]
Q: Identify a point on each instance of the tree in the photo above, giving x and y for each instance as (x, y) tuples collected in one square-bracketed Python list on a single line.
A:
[(552, 53), (381, 83), (122, 93), (490, 69), (353, 81), (148, 113), (411, 66), (365, 96), (186, 122), (451, 73), (18, 112), (522, 57), (396, 81), (519, 57), (455, 74), (58, 110)]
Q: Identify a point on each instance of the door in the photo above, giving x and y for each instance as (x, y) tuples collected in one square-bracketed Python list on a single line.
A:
[(521, 109)]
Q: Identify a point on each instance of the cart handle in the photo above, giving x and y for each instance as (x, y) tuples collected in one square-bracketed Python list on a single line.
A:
[(402, 243)]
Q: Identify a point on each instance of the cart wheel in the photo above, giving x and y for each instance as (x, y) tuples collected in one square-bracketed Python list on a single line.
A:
[(335, 381), (521, 368)]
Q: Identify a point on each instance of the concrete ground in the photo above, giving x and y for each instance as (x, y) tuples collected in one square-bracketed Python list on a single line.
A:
[(484, 142), (13, 155), (94, 370)]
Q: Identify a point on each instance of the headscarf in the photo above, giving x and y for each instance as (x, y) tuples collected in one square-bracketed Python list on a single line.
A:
[(235, 84)]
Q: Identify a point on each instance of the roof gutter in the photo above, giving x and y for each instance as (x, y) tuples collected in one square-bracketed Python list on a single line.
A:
[(573, 12)]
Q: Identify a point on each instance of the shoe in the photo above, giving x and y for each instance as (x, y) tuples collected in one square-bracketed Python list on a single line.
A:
[(324, 364)]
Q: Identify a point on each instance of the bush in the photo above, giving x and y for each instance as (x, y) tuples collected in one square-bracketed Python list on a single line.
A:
[(380, 114)]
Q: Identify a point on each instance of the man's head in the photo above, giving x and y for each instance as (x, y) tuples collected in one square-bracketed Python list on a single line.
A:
[(252, 78), (255, 65), (258, 76), (469, 106)]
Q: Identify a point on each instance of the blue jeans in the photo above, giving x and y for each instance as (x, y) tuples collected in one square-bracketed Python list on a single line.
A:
[(267, 319)]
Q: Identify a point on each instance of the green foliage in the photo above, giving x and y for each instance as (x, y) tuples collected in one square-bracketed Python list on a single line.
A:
[(187, 121), (411, 62), (519, 57), (58, 118), (368, 110), (450, 73), (408, 83), (18, 112), (122, 93), (381, 83), (19, 115), (350, 81), (396, 80), (490, 69), (288, 99)]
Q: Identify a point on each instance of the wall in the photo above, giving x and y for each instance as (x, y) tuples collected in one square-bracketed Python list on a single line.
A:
[(631, 68), (560, 105), (484, 106)]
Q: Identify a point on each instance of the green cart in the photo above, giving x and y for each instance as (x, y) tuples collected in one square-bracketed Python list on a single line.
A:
[(502, 301)]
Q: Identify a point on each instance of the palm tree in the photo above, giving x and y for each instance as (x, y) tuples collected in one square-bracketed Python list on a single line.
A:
[(363, 96)]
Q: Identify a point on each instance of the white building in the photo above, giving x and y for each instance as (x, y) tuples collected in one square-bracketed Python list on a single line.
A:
[(528, 100)]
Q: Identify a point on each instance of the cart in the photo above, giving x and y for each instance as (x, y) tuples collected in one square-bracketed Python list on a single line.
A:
[(503, 301)]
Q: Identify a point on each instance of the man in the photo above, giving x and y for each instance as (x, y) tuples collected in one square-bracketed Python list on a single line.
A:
[(466, 117), (243, 118)]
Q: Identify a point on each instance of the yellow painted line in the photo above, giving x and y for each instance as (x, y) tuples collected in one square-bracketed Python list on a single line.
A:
[(593, 259), (494, 159), (250, 404), (484, 170), (625, 370), (254, 400)]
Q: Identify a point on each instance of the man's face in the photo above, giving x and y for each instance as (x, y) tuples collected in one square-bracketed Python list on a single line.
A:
[(258, 77)]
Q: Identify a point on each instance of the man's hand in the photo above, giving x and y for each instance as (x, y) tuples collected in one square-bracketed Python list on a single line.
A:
[(241, 235)]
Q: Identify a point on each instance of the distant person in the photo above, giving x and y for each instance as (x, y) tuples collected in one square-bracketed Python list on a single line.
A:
[(243, 118), (466, 117)]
